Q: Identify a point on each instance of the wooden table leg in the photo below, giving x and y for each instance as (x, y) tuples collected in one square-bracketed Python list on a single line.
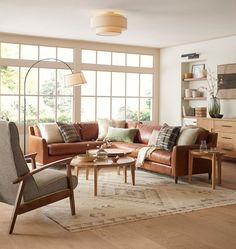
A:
[(213, 161), (118, 170), (190, 166), (132, 169), (87, 173), (125, 173), (219, 169), (95, 180)]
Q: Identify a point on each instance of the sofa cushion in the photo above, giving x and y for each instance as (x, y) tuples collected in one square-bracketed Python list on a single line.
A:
[(59, 149), (88, 130), (121, 134), (145, 131), (68, 132), (161, 156), (167, 137), (104, 124), (51, 133), (153, 138)]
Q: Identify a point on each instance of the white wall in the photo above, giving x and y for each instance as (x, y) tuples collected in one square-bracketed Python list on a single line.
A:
[(216, 52)]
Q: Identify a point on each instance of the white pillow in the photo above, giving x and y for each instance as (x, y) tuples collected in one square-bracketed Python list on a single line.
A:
[(188, 136), (104, 124), (153, 138), (50, 132)]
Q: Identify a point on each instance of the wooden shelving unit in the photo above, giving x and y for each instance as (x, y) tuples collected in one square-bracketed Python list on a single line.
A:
[(196, 98), (194, 79)]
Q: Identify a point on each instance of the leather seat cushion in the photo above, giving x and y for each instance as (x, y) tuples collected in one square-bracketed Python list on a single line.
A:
[(161, 156), (72, 148)]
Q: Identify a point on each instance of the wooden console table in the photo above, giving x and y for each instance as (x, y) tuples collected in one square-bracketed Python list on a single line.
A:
[(214, 157)]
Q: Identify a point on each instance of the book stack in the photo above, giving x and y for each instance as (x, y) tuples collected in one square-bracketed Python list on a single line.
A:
[(200, 112)]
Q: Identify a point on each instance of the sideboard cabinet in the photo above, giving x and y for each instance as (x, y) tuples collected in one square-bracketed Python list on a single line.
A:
[(226, 129)]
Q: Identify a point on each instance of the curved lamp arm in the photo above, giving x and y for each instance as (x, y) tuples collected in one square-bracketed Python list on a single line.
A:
[(25, 80)]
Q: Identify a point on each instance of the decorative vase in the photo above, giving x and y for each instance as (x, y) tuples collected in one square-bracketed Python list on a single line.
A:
[(214, 107)]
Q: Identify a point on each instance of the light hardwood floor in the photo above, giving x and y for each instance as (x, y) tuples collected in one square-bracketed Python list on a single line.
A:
[(213, 228)]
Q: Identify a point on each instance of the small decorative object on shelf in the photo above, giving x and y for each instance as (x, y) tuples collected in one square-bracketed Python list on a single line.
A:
[(198, 71), (214, 107), (101, 153)]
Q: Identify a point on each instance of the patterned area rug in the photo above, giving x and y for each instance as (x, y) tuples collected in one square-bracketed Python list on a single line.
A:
[(154, 195)]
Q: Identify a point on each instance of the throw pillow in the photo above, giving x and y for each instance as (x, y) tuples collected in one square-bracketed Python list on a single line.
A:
[(153, 138), (121, 134), (51, 133), (167, 137), (104, 124), (188, 136), (68, 132)]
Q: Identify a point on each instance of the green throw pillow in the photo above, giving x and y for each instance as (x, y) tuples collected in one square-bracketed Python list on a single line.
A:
[(121, 134)]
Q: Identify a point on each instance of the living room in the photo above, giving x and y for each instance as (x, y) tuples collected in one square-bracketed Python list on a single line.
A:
[(140, 80)]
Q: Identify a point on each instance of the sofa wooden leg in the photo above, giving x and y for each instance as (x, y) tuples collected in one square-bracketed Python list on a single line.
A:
[(176, 179)]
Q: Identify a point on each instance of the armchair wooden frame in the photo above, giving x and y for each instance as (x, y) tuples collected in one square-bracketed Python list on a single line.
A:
[(23, 207)]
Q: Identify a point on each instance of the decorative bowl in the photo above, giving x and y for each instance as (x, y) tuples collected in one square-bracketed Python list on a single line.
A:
[(86, 158), (219, 115)]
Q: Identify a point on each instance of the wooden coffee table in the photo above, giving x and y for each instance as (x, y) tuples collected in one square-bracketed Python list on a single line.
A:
[(213, 156), (124, 162)]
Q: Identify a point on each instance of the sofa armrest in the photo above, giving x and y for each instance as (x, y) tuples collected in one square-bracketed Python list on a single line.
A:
[(40, 146), (179, 160)]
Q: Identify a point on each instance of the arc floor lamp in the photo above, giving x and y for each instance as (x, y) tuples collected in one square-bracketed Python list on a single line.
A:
[(73, 79)]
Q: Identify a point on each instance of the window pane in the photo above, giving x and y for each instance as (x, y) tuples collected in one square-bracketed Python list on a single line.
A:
[(104, 58), (61, 87), (47, 52), (103, 107), (29, 52), (133, 60), (46, 109), (145, 109), (87, 109), (132, 84), (31, 109), (118, 84), (146, 85), (89, 88), (118, 108), (31, 81), (9, 80), (146, 61), (132, 109), (65, 54), (10, 50), (10, 107), (88, 56), (103, 83), (47, 78), (64, 109), (118, 59)]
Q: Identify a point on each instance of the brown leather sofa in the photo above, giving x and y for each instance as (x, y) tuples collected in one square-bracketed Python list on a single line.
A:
[(174, 163)]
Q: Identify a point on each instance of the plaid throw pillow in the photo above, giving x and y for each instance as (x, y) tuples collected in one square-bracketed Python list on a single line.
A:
[(167, 137), (69, 133)]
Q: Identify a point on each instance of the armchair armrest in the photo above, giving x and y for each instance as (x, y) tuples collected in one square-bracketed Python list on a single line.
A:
[(31, 159), (35, 171)]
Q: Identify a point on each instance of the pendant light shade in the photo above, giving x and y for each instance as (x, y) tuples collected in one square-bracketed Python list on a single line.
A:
[(109, 24)]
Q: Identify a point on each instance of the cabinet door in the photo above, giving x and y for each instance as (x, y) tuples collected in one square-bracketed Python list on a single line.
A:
[(226, 141), (225, 126), (205, 123)]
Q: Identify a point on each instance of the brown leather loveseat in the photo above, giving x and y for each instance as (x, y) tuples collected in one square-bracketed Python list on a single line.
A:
[(173, 163)]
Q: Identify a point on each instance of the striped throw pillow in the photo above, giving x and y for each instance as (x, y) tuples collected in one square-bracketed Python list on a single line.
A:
[(69, 133), (167, 137)]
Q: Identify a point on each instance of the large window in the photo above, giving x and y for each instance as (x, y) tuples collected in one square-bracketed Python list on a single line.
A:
[(47, 98), (120, 88)]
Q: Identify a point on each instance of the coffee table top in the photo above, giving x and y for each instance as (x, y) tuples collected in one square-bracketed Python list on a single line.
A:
[(112, 152), (107, 162)]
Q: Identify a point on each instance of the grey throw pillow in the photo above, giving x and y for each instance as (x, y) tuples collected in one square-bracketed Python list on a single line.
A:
[(69, 133), (167, 137)]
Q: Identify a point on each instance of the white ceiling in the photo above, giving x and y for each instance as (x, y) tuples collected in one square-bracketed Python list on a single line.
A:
[(155, 23)]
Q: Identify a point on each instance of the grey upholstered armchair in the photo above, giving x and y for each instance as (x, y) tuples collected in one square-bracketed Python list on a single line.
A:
[(25, 189)]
